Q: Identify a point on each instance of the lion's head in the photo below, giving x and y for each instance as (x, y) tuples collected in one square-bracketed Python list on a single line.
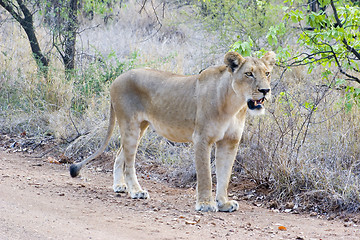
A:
[(251, 78)]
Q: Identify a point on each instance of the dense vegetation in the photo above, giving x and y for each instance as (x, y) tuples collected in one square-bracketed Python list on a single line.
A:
[(59, 57)]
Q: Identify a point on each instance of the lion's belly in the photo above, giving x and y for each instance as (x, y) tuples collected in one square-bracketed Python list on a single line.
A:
[(174, 120), (176, 133)]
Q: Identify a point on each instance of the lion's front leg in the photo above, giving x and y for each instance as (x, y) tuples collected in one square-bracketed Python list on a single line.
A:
[(225, 156), (205, 201)]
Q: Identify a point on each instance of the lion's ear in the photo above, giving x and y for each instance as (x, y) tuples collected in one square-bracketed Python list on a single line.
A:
[(233, 60), (269, 58)]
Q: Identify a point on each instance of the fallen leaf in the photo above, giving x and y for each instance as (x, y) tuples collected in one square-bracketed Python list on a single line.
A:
[(65, 159), (53, 160), (188, 222), (197, 219), (282, 228)]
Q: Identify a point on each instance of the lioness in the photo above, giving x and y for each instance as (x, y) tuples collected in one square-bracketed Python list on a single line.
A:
[(203, 109)]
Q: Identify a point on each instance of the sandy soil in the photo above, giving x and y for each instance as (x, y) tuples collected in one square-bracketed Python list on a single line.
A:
[(39, 200)]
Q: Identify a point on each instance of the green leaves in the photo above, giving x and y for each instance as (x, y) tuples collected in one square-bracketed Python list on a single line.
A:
[(352, 97), (295, 16), (274, 32), (317, 20), (101, 7), (331, 39), (328, 39), (244, 48), (271, 36), (310, 106)]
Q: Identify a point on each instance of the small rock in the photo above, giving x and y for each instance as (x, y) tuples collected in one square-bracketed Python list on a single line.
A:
[(197, 218), (249, 197), (348, 224), (273, 204), (331, 217), (289, 205), (313, 214), (235, 198)]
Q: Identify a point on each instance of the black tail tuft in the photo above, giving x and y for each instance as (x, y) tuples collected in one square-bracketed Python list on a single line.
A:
[(74, 170)]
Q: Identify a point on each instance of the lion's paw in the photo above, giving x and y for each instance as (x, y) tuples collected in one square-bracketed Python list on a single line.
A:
[(229, 206), (120, 188), (206, 207), (140, 195)]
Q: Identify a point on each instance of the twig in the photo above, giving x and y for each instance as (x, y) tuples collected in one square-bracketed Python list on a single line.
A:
[(46, 152), (248, 171), (143, 6), (72, 121), (157, 20)]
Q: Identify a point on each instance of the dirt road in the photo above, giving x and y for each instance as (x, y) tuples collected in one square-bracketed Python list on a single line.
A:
[(39, 200)]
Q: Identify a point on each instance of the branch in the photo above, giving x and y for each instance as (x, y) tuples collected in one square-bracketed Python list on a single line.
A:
[(332, 53), (350, 64), (340, 24), (336, 14), (25, 10), (143, 6), (72, 121), (58, 49), (156, 16), (314, 60), (353, 78), (10, 9), (301, 62)]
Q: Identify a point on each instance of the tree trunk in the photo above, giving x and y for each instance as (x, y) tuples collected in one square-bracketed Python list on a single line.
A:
[(70, 37), (27, 24)]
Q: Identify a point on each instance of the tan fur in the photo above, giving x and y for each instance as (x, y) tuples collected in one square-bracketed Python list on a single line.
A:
[(203, 109)]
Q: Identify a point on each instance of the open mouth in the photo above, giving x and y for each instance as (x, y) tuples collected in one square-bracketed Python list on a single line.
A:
[(255, 104)]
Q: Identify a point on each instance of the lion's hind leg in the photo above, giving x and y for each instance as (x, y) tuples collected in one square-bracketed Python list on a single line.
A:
[(131, 136), (118, 173)]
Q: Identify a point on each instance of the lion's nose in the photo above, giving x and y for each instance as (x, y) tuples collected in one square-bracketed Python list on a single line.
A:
[(264, 90)]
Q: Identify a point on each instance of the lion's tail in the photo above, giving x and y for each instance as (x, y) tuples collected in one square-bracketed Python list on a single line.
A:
[(76, 167)]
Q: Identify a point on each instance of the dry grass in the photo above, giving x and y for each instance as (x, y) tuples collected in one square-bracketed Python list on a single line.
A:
[(302, 150), (306, 156)]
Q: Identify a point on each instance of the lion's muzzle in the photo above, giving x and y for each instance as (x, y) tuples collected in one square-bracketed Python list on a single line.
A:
[(256, 104)]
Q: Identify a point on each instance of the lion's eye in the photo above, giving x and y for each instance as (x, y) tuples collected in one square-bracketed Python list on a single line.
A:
[(249, 74), (267, 74)]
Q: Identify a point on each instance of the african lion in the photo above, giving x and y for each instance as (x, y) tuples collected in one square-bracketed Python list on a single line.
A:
[(203, 109)]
